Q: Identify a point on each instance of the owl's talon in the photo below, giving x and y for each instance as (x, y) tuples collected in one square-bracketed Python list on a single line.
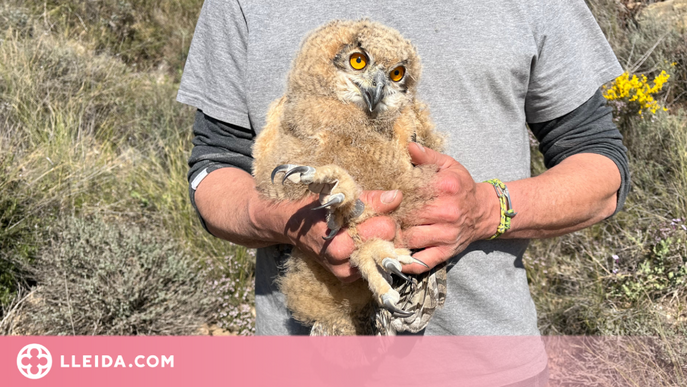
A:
[(306, 174), (281, 168), (419, 262), (394, 266), (332, 234), (334, 199), (407, 260), (390, 305)]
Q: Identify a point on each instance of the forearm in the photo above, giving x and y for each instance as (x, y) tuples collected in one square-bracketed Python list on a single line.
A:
[(578, 192), (588, 164), (234, 210)]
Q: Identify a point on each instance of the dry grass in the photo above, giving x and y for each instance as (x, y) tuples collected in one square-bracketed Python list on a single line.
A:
[(616, 361), (90, 127)]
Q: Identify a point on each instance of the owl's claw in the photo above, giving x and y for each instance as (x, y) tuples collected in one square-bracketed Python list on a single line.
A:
[(391, 298), (333, 200), (295, 173), (407, 260), (394, 266), (419, 262), (326, 181), (303, 174), (281, 168), (332, 234), (390, 305)]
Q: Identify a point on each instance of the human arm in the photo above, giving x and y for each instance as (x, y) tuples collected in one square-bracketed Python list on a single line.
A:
[(587, 182), (233, 210)]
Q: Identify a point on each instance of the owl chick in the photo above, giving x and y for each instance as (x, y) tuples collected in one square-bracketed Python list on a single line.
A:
[(343, 126)]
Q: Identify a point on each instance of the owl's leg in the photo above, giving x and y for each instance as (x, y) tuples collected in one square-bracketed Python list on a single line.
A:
[(377, 259), (337, 189)]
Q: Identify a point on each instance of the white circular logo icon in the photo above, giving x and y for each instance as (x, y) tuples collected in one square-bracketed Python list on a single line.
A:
[(34, 361)]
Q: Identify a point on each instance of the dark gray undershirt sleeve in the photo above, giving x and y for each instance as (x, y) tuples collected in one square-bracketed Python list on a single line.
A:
[(587, 129), (216, 145)]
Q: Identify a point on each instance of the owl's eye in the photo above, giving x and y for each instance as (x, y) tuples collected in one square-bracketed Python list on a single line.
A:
[(397, 73), (358, 61)]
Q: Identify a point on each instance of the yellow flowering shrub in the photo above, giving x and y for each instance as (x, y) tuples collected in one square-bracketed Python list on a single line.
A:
[(635, 93)]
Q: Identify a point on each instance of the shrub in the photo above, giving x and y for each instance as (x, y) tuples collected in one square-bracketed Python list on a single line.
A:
[(634, 95), (644, 44), (231, 284), (17, 242), (99, 277)]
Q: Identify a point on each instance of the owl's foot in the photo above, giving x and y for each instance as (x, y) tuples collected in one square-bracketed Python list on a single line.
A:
[(391, 298), (377, 260), (337, 189)]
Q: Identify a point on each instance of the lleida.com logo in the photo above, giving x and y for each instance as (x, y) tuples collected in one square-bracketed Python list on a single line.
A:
[(34, 361)]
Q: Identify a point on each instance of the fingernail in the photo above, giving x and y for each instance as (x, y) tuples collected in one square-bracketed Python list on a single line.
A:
[(389, 196), (422, 148)]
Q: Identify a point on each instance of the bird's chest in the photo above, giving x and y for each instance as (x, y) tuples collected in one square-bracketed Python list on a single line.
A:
[(374, 162)]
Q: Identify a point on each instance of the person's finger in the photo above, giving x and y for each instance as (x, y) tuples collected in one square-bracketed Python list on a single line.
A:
[(431, 256), (382, 202), (420, 155), (345, 273), (339, 249)]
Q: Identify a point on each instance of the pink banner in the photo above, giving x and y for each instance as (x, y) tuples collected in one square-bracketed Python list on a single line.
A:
[(336, 361)]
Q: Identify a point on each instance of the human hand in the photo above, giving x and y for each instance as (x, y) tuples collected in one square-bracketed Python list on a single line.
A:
[(306, 229), (462, 212)]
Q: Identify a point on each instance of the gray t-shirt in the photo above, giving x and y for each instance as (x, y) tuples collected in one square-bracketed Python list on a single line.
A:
[(489, 67)]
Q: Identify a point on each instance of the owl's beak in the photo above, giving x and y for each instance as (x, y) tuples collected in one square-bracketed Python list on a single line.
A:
[(374, 94)]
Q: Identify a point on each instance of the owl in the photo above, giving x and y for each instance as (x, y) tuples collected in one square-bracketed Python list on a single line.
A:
[(343, 126)]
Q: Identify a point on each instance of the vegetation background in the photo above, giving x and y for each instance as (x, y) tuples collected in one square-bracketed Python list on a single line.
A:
[(97, 235)]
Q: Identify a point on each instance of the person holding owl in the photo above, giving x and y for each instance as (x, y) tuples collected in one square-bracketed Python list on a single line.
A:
[(491, 69)]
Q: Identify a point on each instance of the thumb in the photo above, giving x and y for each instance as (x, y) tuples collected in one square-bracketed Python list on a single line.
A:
[(382, 201), (420, 155)]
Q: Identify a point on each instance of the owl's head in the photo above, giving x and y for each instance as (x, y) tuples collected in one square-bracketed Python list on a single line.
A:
[(363, 63)]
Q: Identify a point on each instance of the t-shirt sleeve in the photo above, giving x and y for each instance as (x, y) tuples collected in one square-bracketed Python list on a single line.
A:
[(214, 73), (574, 59)]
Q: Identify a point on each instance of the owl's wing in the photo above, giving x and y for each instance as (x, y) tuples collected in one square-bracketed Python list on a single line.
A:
[(424, 131), (266, 149)]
